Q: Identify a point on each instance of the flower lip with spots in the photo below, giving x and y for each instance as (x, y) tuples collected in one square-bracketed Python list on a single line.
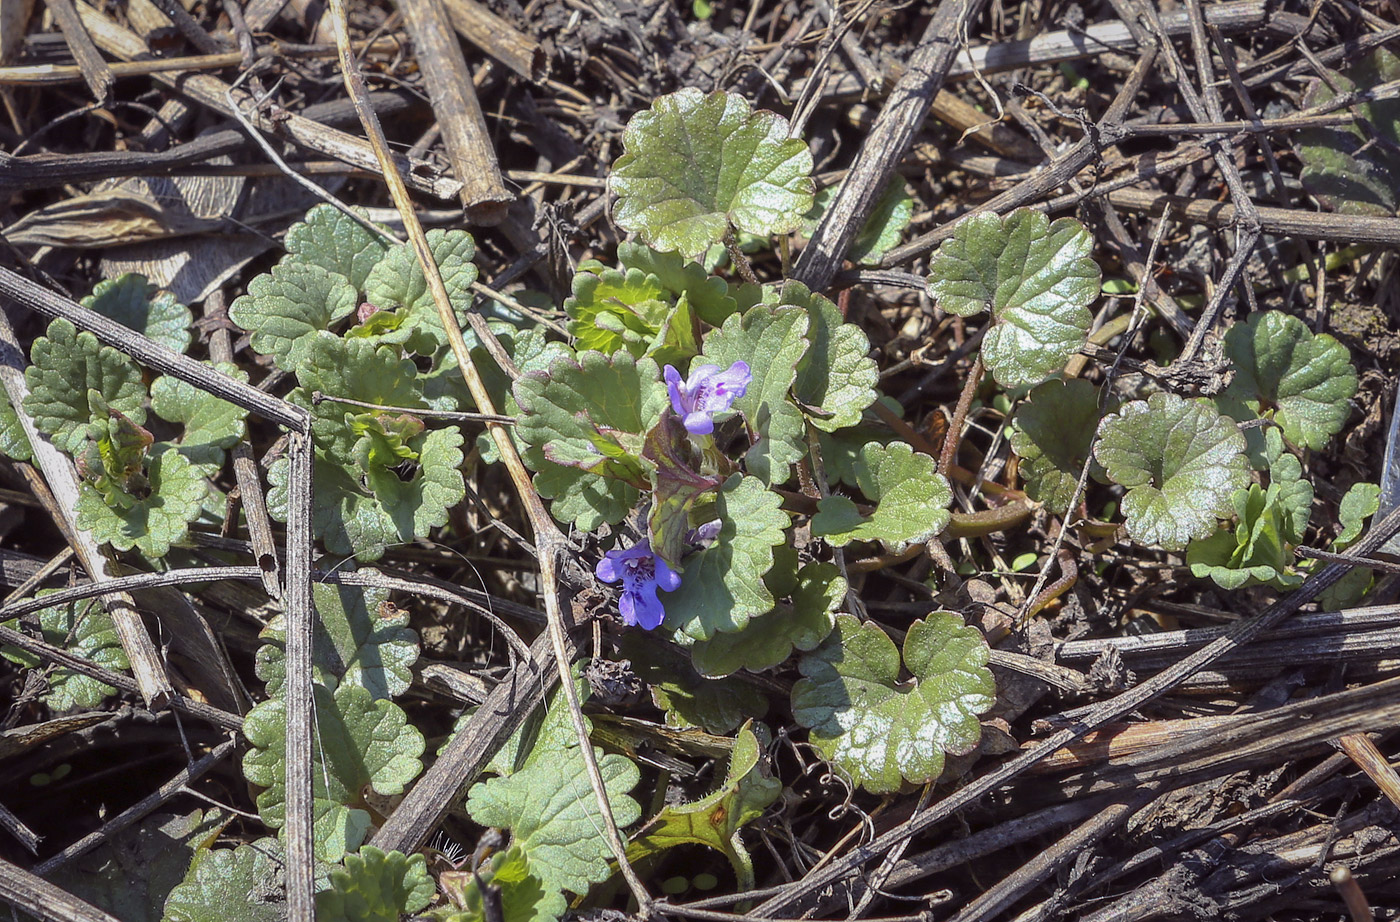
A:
[(707, 392), (642, 573)]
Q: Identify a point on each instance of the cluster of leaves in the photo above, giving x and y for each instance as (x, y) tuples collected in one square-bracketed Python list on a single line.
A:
[(92, 401), (364, 746)]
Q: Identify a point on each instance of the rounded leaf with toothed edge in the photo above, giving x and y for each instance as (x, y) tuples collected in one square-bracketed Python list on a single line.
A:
[(65, 367), (912, 500), (1053, 432), (361, 742), (85, 630), (135, 303), (284, 308), (836, 379), (1304, 381), (155, 521), (1036, 278), (1180, 461), (397, 283), (698, 165), (723, 584), (376, 886), (882, 729), (769, 640), (329, 238)]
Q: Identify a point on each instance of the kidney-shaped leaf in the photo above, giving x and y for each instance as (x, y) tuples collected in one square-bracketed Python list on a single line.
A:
[(1181, 462), (1305, 380), (1054, 433), (880, 728), (1036, 278), (695, 165), (913, 500)]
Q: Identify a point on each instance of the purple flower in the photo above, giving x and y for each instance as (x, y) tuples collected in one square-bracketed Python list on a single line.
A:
[(708, 391), (642, 573)]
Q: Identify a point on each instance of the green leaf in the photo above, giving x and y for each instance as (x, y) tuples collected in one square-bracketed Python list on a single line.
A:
[(884, 730), (913, 500), (1053, 432), (1036, 278), (397, 283), (836, 380), (151, 523), (772, 341), (285, 308), (586, 417), (722, 587), (523, 896), (14, 443), (1284, 372), (715, 820), (1345, 166), (1295, 494), (138, 305), (697, 165), (688, 698), (1257, 551), (212, 425), (376, 886), (330, 239), (1181, 462), (883, 229), (65, 366), (709, 295), (767, 641), (355, 369), (366, 516), (612, 310), (1360, 503), (83, 629), (552, 814), (360, 638), (241, 884), (359, 741)]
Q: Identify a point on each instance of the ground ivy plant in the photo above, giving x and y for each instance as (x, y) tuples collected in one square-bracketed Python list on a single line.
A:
[(713, 441)]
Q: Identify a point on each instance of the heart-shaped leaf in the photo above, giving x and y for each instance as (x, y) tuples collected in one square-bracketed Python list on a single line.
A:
[(1036, 278)]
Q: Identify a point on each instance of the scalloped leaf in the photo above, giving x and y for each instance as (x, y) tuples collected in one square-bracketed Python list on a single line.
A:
[(151, 522), (696, 166), (1361, 502), (689, 699), (212, 424), (285, 308), (1053, 432), (583, 423), (836, 379), (710, 296), (359, 742), (1302, 381), (883, 229), (367, 516), (242, 884), (884, 730), (136, 304), (913, 500), (376, 886), (612, 309), (1181, 462), (772, 341), (549, 807), (1344, 166), (767, 641), (65, 367), (722, 587), (523, 896), (329, 238), (83, 629), (1036, 278), (397, 283), (715, 820), (359, 638)]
